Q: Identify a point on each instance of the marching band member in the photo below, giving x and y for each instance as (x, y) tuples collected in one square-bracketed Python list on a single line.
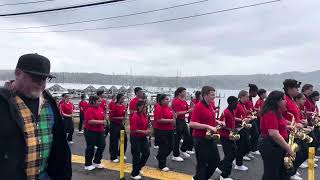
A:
[(193, 102), (228, 145), (67, 108), (133, 103), (243, 145), (314, 98), (272, 142), (94, 133), (181, 108), (117, 118), (164, 122), (254, 133), (156, 142), (291, 88), (262, 93), (100, 93), (83, 105), (138, 138), (203, 119)]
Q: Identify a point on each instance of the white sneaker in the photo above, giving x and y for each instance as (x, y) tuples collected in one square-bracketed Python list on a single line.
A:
[(221, 178), (246, 158), (70, 142), (156, 147), (99, 166), (185, 154), (166, 169), (89, 168), (115, 161), (218, 171), (295, 177), (136, 177), (178, 159), (241, 168), (251, 156), (304, 165), (256, 153), (190, 152), (181, 141), (80, 132)]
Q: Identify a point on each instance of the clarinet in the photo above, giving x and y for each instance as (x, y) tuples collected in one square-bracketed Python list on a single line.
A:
[(218, 114), (149, 126)]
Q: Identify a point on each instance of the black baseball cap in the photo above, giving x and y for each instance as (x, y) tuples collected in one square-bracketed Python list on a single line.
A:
[(35, 64)]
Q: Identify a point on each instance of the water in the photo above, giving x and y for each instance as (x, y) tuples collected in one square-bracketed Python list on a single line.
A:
[(222, 93)]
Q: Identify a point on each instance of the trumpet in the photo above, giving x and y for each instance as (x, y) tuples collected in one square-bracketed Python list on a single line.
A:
[(303, 135), (315, 120), (253, 114), (213, 135), (246, 125), (234, 136), (288, 160)]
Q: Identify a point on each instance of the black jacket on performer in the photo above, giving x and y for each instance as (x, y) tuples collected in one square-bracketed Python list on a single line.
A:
[(13, 146)]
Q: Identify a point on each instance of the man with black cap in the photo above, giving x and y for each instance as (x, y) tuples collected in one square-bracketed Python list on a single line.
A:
[(32, 140)]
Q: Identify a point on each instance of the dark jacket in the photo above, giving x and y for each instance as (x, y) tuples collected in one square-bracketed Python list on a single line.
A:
[(13, 144)]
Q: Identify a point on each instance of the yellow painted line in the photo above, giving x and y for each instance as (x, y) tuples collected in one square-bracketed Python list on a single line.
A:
[(147, 171)]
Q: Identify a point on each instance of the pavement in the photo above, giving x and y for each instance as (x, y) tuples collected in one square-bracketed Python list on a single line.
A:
[(178, 170)]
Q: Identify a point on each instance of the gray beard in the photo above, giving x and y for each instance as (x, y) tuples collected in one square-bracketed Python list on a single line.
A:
[(35, 95)]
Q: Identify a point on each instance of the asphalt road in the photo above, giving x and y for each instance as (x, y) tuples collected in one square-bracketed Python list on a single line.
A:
[(188, 166)]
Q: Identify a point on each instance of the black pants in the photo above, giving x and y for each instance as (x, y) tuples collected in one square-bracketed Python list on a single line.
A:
[(114, 148), (81, 121), (272, 155), (190, 143), (302, 154), (243, 146), (106, 130), (140, 153), (258, 125), (156, 139), (208, 158), (94, 139), (181, 130), (165, 139), (68, 127), (229, 150), (315, 142), (254, 136)]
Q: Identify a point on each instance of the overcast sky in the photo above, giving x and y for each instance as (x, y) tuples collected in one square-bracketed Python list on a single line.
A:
[(272, 38)]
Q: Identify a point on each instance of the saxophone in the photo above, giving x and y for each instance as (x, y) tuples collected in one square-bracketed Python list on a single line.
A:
[(288, 160), (213, 135), (234, 136), (315, 119)]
